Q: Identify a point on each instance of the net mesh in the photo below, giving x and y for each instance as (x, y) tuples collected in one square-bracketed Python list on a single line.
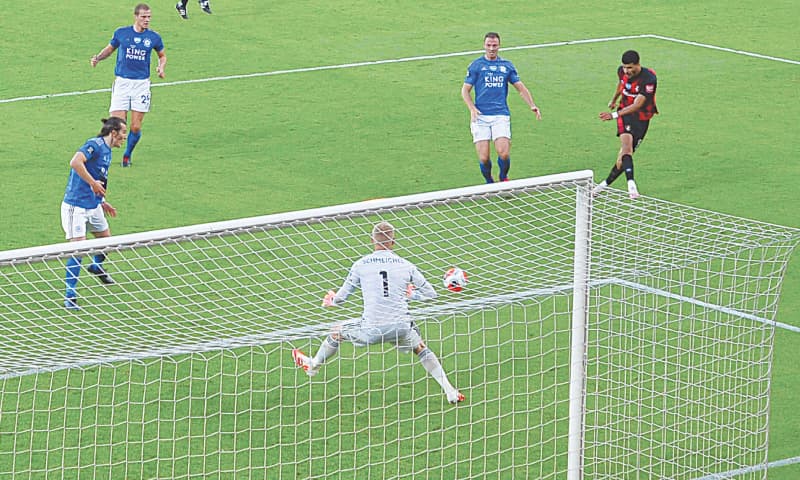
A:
[(182, 368)]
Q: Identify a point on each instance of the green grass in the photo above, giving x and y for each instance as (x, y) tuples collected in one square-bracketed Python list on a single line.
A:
[(237, 148)]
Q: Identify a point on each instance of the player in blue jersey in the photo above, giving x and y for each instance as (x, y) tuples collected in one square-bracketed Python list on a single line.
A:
[(490, 118), (131, 90), (84, 201), (205, 5), (387, 283)]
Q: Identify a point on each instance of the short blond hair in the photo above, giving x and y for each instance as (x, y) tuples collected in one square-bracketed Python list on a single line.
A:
[(383, 234)]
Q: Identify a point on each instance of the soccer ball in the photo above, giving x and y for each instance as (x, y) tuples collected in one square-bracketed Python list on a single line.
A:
[(455, 279)]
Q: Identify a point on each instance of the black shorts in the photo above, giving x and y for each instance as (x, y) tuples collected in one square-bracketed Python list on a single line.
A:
[(631, 124)]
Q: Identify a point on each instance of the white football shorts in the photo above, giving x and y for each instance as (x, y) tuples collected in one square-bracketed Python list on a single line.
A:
[(127, 94), (490, 127), (405, 336), (75, 219)]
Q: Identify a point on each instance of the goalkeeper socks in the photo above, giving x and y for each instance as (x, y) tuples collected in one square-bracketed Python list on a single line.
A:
[(504, 166), (627, 166), (486, 171), (133, 139), (328, 349), (432, 365), (71, 280)]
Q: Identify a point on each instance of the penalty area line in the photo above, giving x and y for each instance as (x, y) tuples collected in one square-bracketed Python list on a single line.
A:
[(325, 67), (410, 59)]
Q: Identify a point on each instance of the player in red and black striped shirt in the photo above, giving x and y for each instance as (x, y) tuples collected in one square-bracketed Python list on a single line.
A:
[(637, 91)]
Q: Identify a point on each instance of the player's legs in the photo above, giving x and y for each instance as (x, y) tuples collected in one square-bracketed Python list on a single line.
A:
[(410, 339), (134, 135), (181, 8), (96, 268), (328, 349), (481, 136), (123, 114), (73, 221), (624, 162), (483, 149), (501, 135), (206, 6), (432, 365), (502, 146), (134, 96)]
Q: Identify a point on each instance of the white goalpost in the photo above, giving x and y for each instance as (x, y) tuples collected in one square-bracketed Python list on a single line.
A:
[(597, 338)]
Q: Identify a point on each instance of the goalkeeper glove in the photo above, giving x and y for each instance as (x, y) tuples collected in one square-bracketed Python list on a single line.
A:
[(328, 300), (411, 292)]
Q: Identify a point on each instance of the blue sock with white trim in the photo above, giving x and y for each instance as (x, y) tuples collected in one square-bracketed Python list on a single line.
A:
[(71, 280)]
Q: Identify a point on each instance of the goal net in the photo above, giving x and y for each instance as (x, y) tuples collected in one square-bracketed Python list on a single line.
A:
[(597, 338)]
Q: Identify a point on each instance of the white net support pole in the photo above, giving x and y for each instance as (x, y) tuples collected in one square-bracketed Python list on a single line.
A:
[(578, 350)]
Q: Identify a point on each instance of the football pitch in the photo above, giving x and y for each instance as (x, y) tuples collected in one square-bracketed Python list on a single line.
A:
[(278, 107)]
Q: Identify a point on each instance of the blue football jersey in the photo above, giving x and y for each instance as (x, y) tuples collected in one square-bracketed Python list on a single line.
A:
[(490, 80), (98, 161), (133, 51)]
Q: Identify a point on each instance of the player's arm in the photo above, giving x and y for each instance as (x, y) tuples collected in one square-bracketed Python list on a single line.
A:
[(78, 163), (162, 63), (109, 209), (637, 105), (466, 95), (612, 105), (348, 287), (526, 95), (424, 290), (104, 53)]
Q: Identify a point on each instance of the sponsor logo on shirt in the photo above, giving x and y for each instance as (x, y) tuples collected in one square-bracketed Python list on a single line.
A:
[(133, 53), (494, 81)]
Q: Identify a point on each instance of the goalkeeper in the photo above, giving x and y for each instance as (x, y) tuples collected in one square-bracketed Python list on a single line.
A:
[(387, 283)]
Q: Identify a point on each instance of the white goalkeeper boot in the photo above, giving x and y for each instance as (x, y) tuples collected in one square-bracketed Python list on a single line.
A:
[(455, 397), (305, 362)]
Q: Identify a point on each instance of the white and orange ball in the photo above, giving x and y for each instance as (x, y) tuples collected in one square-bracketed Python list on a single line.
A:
[(455, 279)]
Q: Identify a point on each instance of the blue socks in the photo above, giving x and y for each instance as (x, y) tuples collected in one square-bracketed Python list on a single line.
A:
[(71, 280), (486, 171), (98, 260), (504, 166), (133, 139)]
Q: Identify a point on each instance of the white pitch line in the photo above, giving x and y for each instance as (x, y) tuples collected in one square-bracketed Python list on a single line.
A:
[(757, 468), (729, 50), (405, 59), (408, 59), (326, 67)]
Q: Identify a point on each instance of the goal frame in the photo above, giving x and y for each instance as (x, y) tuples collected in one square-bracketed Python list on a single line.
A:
[(576, 447)]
